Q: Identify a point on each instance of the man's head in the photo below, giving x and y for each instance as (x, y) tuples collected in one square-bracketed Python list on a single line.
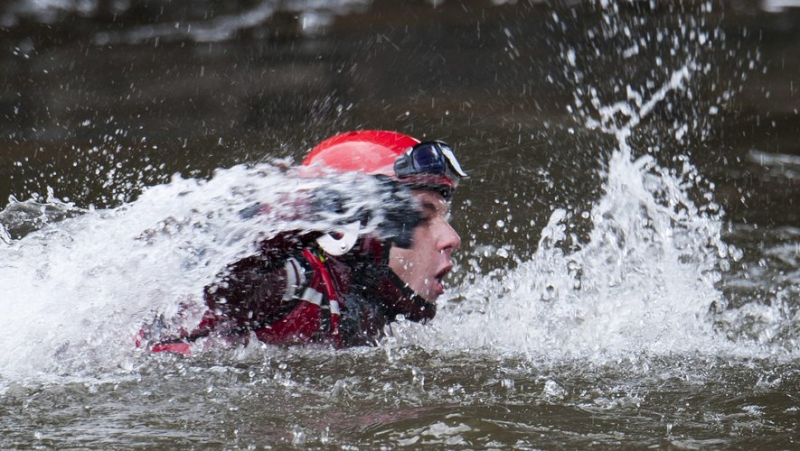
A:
[(424, 265), (431, 171)]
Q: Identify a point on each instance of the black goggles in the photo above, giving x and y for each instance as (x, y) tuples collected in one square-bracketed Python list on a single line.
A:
[(430, 157)]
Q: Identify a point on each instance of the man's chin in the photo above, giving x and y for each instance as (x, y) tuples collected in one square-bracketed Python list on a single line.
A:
[(433, 292)]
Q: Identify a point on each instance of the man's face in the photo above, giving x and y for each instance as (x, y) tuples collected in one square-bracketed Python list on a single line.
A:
[(427, 261)]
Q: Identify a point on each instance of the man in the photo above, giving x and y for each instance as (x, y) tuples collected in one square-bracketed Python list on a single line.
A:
[(340, 287)]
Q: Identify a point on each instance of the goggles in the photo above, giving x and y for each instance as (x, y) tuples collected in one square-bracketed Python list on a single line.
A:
[(429, 158)]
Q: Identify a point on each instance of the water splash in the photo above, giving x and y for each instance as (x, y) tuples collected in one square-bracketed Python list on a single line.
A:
[(77, 289), (646, 281)]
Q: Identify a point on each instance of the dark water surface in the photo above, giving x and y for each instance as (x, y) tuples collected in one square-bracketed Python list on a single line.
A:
[(102, 101), (489, 78), (416, 399)]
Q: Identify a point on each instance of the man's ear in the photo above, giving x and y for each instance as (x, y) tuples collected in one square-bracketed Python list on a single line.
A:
[(404, 237), (401, 214)]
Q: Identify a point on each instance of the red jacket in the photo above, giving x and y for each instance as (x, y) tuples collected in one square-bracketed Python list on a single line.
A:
[(292, 292)]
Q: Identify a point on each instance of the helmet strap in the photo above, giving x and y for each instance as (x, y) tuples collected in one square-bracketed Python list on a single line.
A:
[(343, 240)]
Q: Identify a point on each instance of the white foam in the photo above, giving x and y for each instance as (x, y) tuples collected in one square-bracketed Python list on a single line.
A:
[(76, 292), (645, 283)]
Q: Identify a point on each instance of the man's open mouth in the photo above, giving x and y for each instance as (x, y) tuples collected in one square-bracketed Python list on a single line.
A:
[(442, 274)]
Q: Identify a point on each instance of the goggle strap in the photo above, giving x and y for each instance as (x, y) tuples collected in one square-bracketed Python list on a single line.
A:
[(451, 158)]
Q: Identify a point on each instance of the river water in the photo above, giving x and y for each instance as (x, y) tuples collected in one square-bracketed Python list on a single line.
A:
[(630, 268)]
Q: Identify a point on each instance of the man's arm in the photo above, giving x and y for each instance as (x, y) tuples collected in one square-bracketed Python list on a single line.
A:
[(259, 289)]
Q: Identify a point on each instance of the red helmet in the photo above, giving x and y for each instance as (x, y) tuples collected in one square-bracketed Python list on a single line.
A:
[(375, 152)]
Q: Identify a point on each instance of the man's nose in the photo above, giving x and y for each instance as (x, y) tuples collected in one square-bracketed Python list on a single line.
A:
[(449, 240)]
